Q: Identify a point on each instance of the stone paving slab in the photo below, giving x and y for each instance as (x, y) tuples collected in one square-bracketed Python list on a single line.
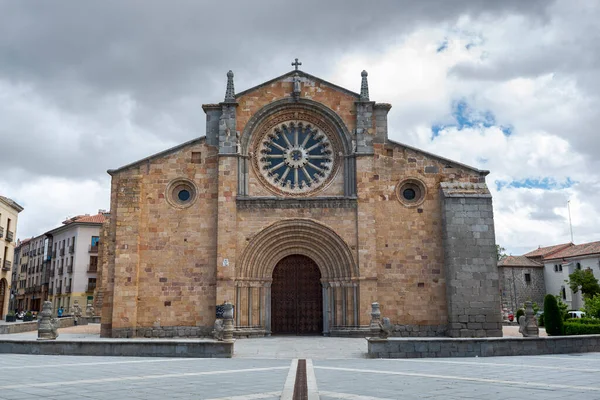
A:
[(69, 377)]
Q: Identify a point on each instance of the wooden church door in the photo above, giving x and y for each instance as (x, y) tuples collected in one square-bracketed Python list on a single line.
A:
[(296, 297)]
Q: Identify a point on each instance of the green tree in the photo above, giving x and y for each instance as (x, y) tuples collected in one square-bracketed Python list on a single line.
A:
[(585, 281), (500, 252), (592, 306), (562, 307), (553, 320)]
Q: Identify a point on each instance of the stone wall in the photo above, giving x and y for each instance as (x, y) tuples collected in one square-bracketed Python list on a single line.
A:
[(162, 257), (474, 347), (515, 290), (407, 248), (472, 285), (121, 348)]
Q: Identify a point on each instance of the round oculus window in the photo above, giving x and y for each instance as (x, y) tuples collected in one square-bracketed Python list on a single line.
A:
[(296, 158), (410, 192), (181, 193)]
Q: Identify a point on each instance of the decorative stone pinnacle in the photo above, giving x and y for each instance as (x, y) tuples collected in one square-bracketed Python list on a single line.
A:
[(364, 87), (230, 92)]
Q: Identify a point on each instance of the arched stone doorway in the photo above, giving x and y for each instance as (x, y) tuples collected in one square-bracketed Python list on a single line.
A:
[(3, 295), (296, 297), (256, 275)]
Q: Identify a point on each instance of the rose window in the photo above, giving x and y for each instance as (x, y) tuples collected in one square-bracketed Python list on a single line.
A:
[(296, 157)]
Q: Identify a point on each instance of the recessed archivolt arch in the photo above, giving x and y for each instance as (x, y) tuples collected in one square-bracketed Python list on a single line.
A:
[(297, 236), (328, 115)]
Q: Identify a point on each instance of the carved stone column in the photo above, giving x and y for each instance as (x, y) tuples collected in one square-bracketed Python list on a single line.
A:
[(325, 308), (268, 309)]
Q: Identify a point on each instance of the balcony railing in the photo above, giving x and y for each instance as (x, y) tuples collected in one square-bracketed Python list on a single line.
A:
[(10, 236), (92, 268), (39, 251), (54, 254), (58, 290), (51, 290), (52, 271), (62, 251), (90, 287), (68, 289), (72, 249), (6, 265), (70, 269), (93, 248), (1, 231), (60, 270)]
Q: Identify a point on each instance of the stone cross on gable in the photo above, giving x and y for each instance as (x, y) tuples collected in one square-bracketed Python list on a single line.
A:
[(296, 63)]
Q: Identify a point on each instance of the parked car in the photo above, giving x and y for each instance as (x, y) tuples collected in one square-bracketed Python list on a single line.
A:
[(511, 316), (575, 314)]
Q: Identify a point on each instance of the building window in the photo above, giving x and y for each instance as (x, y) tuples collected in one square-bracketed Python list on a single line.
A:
[(563, 293), (560, 267), (528, 279), (410, 192), (555, 268), (578, 266), (181, 193)]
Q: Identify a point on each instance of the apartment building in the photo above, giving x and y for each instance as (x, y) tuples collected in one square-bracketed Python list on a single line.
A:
[(19, 275), (73, 260), (9, 213), (36, 281)]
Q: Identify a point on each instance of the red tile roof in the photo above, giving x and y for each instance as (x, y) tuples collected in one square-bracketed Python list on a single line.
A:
[(546, 251), (519, 261), (576, 251), (87, 219)]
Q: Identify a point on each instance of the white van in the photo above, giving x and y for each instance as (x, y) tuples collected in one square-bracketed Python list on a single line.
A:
[(576, 314)]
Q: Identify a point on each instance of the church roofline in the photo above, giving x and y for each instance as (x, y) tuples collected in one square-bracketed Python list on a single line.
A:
[(481, 172), (157, 155), (301, 73)]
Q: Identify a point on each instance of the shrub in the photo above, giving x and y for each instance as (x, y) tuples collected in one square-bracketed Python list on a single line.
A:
[(520, 312), (541, 320), (586, 321), (553, 320), (574, 327), (563, 307), (592, 306)]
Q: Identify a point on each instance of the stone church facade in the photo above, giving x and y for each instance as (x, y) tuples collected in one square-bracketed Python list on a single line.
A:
[(298, 209)]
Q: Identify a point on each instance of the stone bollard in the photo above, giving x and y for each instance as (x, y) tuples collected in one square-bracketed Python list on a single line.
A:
[(528, 326), (227, 321), (375, 316), (47, 326)]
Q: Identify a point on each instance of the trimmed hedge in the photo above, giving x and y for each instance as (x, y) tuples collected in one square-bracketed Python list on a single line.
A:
[(576, 328), (585, 321), (552, 317)]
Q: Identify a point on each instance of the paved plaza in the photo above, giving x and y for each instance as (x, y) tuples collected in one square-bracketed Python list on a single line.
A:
[(337, 368)]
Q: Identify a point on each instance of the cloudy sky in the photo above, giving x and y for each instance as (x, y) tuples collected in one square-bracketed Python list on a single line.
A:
[(512, 87)]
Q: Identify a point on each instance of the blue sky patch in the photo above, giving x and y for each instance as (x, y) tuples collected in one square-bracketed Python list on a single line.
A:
[(547, 183), (468, 117)]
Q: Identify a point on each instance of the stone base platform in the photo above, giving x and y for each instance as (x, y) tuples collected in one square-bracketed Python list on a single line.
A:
[(480, 347), (121, 347)]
